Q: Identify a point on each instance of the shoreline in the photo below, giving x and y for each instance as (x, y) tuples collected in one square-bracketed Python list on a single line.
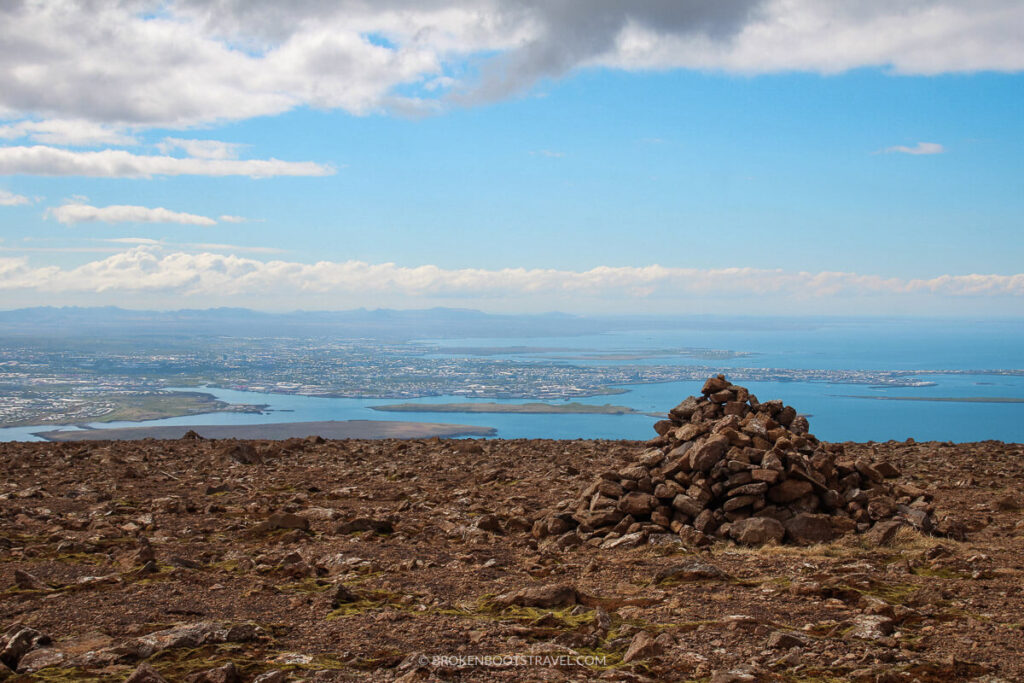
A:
[(276, 431)]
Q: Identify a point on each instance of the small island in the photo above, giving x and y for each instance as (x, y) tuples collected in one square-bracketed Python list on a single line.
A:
[(573, 408)]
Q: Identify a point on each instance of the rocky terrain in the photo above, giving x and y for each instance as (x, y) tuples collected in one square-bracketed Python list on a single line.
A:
[(726, 465), (416, 560)]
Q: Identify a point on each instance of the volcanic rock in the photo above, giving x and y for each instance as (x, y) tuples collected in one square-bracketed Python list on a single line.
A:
[(729, 465)]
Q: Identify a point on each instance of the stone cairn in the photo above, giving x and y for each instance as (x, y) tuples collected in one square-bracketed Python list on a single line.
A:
[(725, 465)]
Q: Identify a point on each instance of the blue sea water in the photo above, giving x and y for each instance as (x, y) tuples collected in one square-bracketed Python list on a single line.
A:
[(835, 414)]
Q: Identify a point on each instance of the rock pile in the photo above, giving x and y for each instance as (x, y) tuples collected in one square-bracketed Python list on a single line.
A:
[(729, 466)]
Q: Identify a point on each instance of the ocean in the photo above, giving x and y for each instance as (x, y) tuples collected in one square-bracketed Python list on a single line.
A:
[(987, 356)]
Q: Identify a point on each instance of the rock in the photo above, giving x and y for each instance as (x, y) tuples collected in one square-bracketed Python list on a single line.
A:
[(281, 520), (727, 458), (704, 456), (1007, 503), (18, 644), (757, 531), (732, 677), (275, 676), (715, 384), (189, 636), (883, 533), (806, 528), (687, 505), (243, 453), (342, 596), (694, 570), (552, 595), (627, 541), (789, 490), (871, 627), (377, 526), (491, 523), (223, 674), (26, 581), (643, 646), (637, 503), (34, 660), (783, 640), (145, 673), (887, 470)]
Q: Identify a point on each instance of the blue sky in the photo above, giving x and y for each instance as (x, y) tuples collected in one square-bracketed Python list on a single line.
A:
[(884, 182)]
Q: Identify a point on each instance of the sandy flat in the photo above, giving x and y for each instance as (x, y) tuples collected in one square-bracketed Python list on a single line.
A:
[(346, 429)]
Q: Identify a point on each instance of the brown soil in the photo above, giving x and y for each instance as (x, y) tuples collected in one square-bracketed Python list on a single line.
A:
[(459, 514)]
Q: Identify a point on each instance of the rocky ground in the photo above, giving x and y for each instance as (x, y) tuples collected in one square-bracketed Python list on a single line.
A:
[(414, 560)]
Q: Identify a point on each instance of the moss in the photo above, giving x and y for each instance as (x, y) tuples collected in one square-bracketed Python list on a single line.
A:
[(938, 573), (308, 586), (54, 673)]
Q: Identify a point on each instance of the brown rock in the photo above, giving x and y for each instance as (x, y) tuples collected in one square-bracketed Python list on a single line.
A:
[(705, 455), (806, 528), (783, 640), (738, 502), (757, 531), (694, 570), (223, 674), (713, 384), (687, 505), (755, 489), (871, 627), (343, 595), (377, 526), (638, 503), (690, 431), (789, 490), (26, 581), (552, 595), (145, 673), (767, 476), (19, 643), (883, 533), (488, 522), (643, 646)]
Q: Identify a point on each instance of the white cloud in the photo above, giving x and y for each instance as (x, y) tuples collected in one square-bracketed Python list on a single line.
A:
[(919, 148), (67, 132), (115, 163), (181, 63), (71, 214), (11, 199), (233, 219), (208, 275), (133, 240), (202, 149)]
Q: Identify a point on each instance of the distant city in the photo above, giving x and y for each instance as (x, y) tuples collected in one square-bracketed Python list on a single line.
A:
[(68, 380)]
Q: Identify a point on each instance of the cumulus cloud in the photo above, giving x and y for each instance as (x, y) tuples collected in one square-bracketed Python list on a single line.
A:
[(202, 149), (71, 214), (180, 63), (206, 274), (76, 132), (919, 148), (11, 199), (117, 163)]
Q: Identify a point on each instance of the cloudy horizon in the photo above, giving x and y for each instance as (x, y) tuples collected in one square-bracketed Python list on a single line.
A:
[(510, 155)]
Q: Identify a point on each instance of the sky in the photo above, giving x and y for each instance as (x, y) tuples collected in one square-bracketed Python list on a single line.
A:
[(585, 156)]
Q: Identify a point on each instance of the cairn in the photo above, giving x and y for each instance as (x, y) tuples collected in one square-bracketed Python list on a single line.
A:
[(725, 465)]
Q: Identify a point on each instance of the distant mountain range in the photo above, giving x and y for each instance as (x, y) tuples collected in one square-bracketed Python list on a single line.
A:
[(386, 324)]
